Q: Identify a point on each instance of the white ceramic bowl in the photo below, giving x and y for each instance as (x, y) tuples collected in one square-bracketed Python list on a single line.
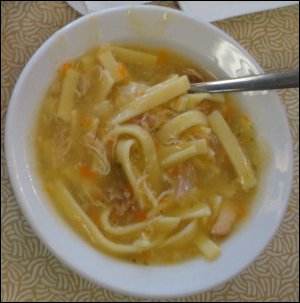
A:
[(215, 51)]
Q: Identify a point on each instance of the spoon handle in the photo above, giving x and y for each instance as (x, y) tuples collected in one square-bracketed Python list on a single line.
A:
[(285, 79)]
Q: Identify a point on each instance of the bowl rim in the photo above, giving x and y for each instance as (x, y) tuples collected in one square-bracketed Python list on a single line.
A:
[(16, 183)]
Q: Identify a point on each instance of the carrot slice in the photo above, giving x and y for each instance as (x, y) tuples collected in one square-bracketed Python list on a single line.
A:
[(140, 216), (65, 66), (122, 70), (87, 121), (87, 172)]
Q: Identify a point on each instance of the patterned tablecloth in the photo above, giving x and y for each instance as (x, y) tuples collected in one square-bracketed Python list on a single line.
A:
[(29, 272)]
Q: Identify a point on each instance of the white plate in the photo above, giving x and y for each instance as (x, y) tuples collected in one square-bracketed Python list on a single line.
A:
[(217, 10), (79, 6), (205, 45)]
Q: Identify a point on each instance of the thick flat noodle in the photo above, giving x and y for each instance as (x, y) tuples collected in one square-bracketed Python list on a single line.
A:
[(95, 147), (123, 155), (150, 194), (182, 155), (104, 86), (109, 63), (208, 248), (165, 151), (154, 96), (68, 95), (233, 149), (133, 56), (104, 109), (87, 62), (166, 198), (152, 167), (120, 230), (183, 237), (181, 123), (163, 224), (198, 210), (190, 101), (194, 99)]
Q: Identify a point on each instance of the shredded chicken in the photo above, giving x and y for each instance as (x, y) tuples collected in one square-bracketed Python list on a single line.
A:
[(122, 207), (52, 104), (114, 194), (148, 121), (86, 199), (166, 198), (97, 148), (173, 140), (225, 221), (83, 86), (186, 178), (129, 92), (153, 120), (61, 146), (96, 72)]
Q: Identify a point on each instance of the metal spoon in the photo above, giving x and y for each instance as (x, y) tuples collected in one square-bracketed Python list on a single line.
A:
[(285, 79)]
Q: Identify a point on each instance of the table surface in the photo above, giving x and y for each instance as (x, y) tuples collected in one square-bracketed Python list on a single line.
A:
[(29, 272)]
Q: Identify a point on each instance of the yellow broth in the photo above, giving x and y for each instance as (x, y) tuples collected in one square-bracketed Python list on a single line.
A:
[(206, 179)]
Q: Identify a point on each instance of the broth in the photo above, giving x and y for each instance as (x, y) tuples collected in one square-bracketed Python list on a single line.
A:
[(142, 170)]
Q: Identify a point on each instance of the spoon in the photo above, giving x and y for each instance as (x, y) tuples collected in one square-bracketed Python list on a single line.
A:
[(285, 79)]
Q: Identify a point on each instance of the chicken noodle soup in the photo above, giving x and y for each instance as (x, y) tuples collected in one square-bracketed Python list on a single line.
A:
[(140, 168)]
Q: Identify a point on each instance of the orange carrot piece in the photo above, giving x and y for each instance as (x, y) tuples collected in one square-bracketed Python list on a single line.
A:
[(49, 189), (228, 115), (87, 121), (87, 172), (140, 216), (65, 66), (122, 70)]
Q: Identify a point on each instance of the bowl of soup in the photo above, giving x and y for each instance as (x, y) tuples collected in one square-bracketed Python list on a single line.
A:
[(133, 181)]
